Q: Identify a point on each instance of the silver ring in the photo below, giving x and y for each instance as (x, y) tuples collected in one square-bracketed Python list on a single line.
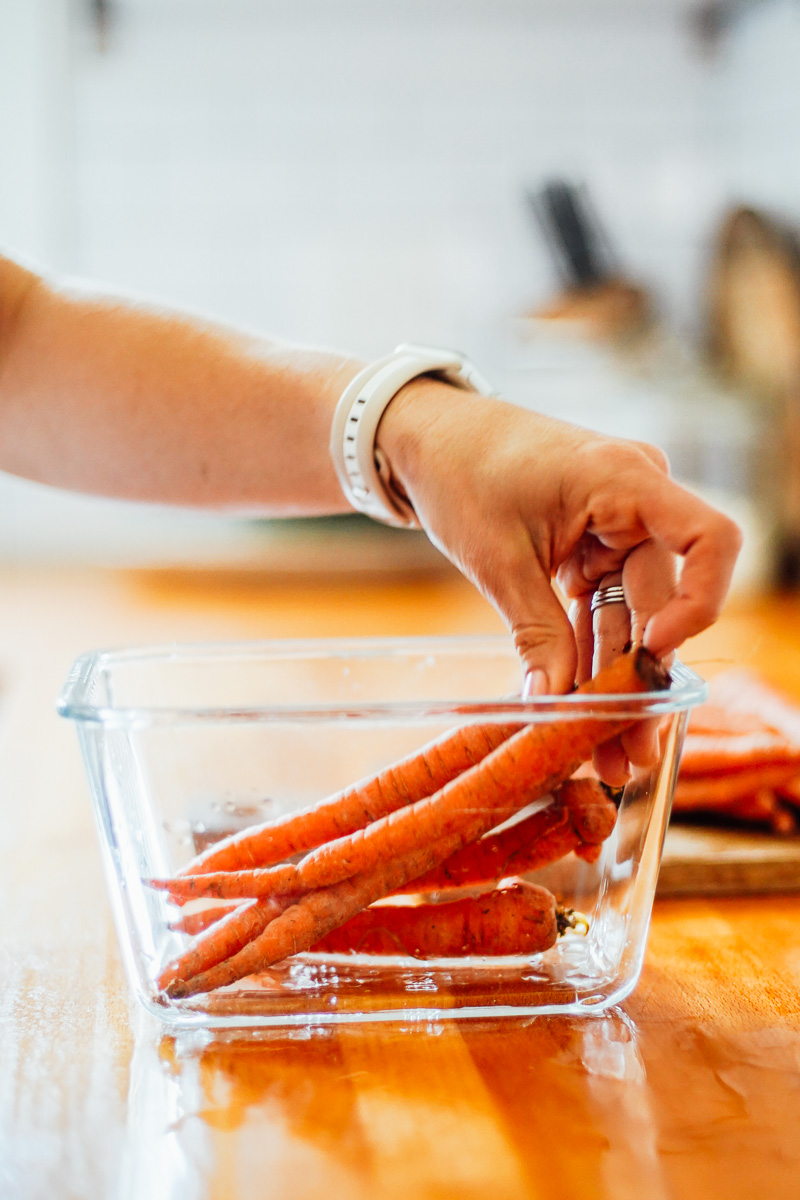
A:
[(609, 595)]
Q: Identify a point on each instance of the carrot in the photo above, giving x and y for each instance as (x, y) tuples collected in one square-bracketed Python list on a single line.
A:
[(765, 808), (588, 852), (412, 779), (790, 790), (540, 839), (712, 754), (197, 922), (303, 924), (526, 766), (226, 937), (401, 847), (530, 844), (591, 811), (519, 919), (534, 842), (713, 791)]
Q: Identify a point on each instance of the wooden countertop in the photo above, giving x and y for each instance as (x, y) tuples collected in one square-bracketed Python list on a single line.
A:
[(691, 1090)]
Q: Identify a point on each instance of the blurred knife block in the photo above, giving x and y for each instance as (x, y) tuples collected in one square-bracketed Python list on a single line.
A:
[(613, 311), (754, 343), (596, 301)]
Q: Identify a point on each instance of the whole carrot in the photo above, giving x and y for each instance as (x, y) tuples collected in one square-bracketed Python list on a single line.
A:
[(712, 791), (529, 764), (403, 783), (715, 754), (306, 922), (530, 844), (535, 842), (519, 919), (461, 812), (526, 766)]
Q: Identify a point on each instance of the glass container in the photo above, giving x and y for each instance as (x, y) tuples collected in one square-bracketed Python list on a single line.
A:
[(186, 744)]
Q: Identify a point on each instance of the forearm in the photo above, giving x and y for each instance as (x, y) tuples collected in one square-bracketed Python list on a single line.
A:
[(101, 395)]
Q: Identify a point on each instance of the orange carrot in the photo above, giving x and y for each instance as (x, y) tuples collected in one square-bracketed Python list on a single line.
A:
[(401, 847), (196, 922), (225, 938), (763, 807), (539, 839), (712, 754), (518, 919), (790, 790), (412, 779), (311, 918), (712, 791), (530, 844), (526, 766), (521, 769), (592, 813)]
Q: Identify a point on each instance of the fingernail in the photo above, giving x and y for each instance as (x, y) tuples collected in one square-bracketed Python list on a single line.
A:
[(536, 684)]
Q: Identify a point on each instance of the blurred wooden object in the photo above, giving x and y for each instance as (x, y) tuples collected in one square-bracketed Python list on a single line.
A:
[(613, 311), (597, 301), (754, 304), (754, 342), (713, 861), (689, 1090)]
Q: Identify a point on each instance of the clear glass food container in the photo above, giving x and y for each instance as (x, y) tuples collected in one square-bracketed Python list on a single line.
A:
[(186, 744)]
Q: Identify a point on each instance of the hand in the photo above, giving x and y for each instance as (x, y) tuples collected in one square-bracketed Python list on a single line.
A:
[(517, 500)]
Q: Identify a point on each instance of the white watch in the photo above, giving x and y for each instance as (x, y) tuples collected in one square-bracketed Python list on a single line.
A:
[(363, 472)]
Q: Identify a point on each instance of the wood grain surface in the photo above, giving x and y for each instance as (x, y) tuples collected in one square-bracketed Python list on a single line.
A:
[(691, 1091), (722, 861)]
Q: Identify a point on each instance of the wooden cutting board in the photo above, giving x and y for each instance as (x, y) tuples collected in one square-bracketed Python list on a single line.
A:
[(724, 861)]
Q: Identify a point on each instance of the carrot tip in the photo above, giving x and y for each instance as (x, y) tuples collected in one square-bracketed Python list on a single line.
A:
[(651, 670)]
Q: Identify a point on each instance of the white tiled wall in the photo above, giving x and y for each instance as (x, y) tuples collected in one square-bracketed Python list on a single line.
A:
[(758, 101), (354, 173)]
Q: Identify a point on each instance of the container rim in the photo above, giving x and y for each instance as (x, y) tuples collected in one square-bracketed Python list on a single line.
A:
[(75, 700)]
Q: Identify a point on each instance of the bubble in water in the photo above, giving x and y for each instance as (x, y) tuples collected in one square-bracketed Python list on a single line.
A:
[(179, 826)]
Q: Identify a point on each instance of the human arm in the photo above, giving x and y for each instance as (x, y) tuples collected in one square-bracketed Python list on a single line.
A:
[(99, 394), (102, 395)]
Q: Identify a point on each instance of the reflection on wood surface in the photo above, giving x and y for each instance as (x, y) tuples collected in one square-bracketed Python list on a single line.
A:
[(691, 1092)]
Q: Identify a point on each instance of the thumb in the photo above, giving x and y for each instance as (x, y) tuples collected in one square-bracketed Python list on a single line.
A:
[(542, 632)]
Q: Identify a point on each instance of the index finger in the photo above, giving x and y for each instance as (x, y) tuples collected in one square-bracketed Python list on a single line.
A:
[(708, 543)]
